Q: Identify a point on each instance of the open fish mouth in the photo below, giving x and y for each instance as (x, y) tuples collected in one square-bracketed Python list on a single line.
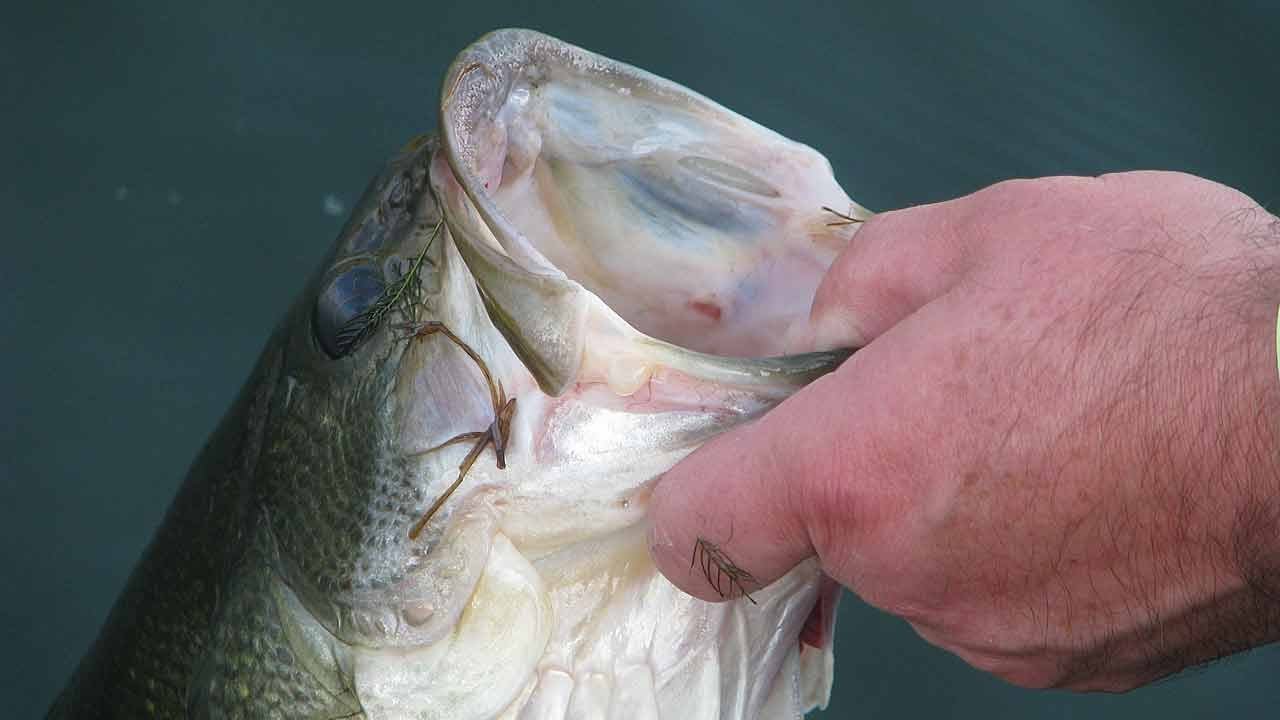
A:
[(621, 262), (591, 198)]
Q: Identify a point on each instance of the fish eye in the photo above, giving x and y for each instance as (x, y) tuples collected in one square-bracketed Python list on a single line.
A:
[(341, 307)]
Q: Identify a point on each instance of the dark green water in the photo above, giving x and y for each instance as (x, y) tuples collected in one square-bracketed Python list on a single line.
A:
[(165, 169)]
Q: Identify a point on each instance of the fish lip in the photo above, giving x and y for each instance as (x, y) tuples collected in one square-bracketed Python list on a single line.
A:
[(475, 85), (482, 74)]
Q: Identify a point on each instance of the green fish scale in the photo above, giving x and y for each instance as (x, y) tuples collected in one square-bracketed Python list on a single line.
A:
[(339, 494), (250, 670)]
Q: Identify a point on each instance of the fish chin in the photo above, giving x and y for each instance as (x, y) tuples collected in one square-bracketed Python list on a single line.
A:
[(627, 258)]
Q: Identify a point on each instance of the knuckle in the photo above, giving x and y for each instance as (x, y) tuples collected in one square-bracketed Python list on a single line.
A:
[(1165, 186), (1033, 189)]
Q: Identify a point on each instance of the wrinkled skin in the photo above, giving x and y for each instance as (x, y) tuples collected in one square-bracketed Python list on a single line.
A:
[(285, 580), (1056, 454)]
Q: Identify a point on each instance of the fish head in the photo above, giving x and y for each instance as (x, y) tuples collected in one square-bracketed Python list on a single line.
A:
[(337, 486), (527, 319)]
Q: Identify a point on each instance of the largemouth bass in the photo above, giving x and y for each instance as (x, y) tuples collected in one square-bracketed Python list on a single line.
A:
[(428, 500)]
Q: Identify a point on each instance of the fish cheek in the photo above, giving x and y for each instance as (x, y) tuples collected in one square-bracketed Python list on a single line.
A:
[(337, 496), (341, 490)]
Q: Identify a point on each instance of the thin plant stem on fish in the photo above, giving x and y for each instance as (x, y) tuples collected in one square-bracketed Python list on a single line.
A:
[(496, 434), (844, 219), (721, 572), (362, 326)]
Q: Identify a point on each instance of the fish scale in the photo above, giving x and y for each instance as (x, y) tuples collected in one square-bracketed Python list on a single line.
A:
[(143, 661)]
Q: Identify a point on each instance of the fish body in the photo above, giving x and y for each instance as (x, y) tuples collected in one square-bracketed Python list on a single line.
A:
[(616, 261)]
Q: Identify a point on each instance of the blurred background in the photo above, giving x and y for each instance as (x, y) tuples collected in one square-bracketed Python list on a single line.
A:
[(172, 173)]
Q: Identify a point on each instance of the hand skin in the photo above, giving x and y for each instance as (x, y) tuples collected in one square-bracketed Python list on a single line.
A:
[(1055, 455)]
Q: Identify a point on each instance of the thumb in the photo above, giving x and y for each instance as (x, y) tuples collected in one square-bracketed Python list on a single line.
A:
[(736, 514), (749, 505)]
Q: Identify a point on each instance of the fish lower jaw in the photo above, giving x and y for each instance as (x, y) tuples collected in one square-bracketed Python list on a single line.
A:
[(596, 632)]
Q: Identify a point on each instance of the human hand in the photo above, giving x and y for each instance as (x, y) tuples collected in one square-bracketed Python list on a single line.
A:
[(1055, 454)]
